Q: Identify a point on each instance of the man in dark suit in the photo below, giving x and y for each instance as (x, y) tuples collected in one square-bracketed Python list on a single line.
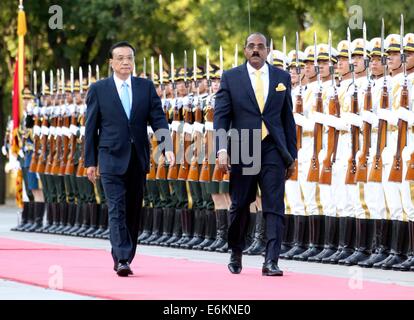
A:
[(254, 100), (118, 110)]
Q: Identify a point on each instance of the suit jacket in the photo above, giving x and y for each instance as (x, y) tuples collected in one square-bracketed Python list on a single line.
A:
[(236, 107), (110, 135)]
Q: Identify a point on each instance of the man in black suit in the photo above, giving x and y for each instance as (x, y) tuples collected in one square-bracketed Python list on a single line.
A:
[(254, 100), (118, 110)]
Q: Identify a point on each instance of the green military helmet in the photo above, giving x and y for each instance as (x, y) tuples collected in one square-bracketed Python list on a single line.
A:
[(156, 79), (27, 93), (67, 86), (76, 86), (47, 90), (165, 77), (199, 72), (179, 74), (214, 72)]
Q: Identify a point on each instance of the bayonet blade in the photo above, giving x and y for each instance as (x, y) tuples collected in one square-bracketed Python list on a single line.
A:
[(172, 68), (35, 82), (43, 82), (72, 79), (81, 80), (152, 69), (208, 65), (221, 60)]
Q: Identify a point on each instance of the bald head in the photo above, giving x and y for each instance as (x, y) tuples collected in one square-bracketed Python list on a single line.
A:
[(255, 34)]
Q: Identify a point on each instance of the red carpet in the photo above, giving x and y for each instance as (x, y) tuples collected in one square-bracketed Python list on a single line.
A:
[(89, 272)]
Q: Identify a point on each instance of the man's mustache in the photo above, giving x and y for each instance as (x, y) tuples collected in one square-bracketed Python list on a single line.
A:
[(255, 54)]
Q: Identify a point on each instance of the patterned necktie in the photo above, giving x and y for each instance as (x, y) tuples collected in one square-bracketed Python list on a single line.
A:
[(260, 99), (125, 99)]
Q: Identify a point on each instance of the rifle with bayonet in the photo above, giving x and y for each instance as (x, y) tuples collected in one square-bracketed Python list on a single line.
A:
[(161, 172), (350, 177), (52, 129), (333, 133), (73, 129), (298, 110), (397, 165), (36, 127), (375, 174), (217, 173), (362, 168), (175, 136), (313, 173)]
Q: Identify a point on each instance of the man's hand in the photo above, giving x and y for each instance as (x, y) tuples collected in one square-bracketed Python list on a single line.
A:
[(290, 170), (91, 172), (169, 155), (223, 161)]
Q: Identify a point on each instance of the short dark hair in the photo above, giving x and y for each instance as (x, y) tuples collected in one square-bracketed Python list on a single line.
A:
[(257, 34), (119, 45)]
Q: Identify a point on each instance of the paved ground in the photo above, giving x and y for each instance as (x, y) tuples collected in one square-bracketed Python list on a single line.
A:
[(11, 290)]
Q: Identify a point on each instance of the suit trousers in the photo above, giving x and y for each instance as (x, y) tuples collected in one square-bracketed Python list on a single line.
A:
[(124, 195), (271, 180)]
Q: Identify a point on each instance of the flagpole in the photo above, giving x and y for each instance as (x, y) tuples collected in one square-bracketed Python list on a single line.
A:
[(21, 32)]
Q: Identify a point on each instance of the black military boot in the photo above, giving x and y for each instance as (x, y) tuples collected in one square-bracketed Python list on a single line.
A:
[(199, 229), (56, 217), (167, 226), (316, 238), (23, 219), (409, 263), (364, 229), (30, 216), (187, 224), (39, 211), (156, 226), (382, 231), (94, 217), (64, 209), (85, 214), (147, 224), (210, 233), (222, 228), (330, 239), (177, 232), (78, 220), (103, 221), (49, 219), (346, 241), (301, 238), (288, 233), (259, 244), (398, 246), (71, 218)]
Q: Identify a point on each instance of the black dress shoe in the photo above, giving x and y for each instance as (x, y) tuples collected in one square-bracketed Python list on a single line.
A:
[(271, 269), (235, 264), (123, 269)]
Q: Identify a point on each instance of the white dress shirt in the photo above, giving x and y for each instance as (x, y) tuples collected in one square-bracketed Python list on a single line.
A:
[(264, 73), (118, 84)]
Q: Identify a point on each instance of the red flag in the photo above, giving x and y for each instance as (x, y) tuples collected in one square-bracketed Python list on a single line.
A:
[(15, 110)]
